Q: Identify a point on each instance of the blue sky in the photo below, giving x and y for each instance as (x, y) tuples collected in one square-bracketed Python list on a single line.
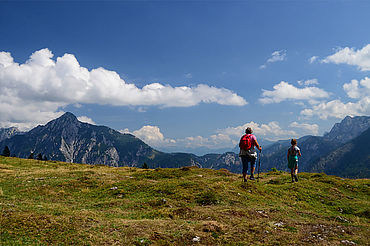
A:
[(186, 75)]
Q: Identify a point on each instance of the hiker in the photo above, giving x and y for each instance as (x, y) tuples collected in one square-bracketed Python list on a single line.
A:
[(293, 153), (247, 152)]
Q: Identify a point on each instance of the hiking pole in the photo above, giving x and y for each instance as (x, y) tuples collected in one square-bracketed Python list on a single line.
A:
[(259, 165)]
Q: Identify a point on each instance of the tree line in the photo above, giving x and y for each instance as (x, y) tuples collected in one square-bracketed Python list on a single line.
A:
[(40, 157)]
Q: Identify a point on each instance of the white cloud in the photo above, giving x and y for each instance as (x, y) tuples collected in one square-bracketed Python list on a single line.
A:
[(279, 55), (223, 138), (276, 56), (86, 120), (32, 93), (354, 91), (306, 128), (308, 82), (270, 131), (212, 142), (151, 135), (338, 109), (285, 91), (350, 56), (313, 59)]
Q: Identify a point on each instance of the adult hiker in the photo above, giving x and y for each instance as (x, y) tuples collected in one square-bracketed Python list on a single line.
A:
[(293, 153), (247, 152)]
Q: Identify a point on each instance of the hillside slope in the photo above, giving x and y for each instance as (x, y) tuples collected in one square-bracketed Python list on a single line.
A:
[(75, 204), (350, 160)]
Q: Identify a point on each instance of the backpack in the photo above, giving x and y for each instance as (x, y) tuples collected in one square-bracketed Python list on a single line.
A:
[(246, 142)]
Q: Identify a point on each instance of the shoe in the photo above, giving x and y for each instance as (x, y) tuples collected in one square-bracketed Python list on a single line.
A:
[(296, 178), (252, 178), (245, 180)]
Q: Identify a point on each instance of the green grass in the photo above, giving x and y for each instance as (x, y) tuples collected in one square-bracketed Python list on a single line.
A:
[(48, 203)]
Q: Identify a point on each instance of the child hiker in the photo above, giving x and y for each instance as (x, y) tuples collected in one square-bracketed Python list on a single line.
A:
[(293, 153)]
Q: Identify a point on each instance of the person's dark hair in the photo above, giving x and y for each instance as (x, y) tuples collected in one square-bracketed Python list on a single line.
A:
[(294, 141), (248, 130)]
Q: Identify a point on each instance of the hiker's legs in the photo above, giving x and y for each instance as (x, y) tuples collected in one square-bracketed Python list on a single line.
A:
[(292, 174), (253, 166), (245, 167), (295, 173)]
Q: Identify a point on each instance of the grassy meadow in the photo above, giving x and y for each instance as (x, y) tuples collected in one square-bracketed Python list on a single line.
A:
[(57, 203)]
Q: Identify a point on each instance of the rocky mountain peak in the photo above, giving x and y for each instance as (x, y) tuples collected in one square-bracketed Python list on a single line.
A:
[(348, 128), (66, 121), (67, 117)]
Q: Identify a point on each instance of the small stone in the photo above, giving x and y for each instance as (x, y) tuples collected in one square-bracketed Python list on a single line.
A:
[(196, 239), (348, 242), (114, 188), (279, 224)]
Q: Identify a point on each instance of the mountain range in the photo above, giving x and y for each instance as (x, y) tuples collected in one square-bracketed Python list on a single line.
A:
[(67, 139), (343, 151), (318, 151)]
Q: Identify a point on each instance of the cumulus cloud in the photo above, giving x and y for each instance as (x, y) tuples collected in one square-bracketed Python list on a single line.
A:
[(270, 131), (359, 90), (215, 141), (339, 109), (351, 56), (285, 91), (306, 128), (308, 82), (276, 56), (353, 89), (223, 138), (34, 91), (151, 135)]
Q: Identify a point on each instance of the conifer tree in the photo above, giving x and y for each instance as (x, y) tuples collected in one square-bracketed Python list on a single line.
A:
[(39, 157), (6, 151), (145, 166), (30, 156)]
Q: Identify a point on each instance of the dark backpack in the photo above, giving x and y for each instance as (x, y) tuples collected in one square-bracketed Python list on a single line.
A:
[(246, 142)]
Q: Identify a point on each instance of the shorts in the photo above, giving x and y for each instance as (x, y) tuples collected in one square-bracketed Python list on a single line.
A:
[(247, 159), (293, 161)]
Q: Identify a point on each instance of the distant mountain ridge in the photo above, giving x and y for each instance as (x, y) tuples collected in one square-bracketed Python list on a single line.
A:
[(8, 132), (315, 148), (348, 128), (67, 139), (349, 160)]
